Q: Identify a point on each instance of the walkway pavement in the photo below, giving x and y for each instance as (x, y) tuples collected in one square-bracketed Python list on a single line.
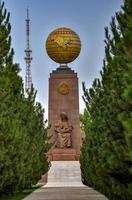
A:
[(64, 183), (65, 193)]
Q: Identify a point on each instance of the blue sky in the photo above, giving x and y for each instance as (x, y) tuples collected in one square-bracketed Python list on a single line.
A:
[(86, 17)]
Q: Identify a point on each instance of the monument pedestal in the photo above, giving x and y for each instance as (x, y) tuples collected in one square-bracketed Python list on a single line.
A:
[(62, 154), (64, 174), (64, 97)]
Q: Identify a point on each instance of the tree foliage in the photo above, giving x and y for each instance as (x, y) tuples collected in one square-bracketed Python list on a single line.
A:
[(23, 132), (106, 157)]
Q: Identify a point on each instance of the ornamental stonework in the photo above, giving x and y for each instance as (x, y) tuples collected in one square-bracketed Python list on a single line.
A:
[(63, 88)]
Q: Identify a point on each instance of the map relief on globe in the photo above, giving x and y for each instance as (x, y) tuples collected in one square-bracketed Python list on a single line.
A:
[(63, 45)]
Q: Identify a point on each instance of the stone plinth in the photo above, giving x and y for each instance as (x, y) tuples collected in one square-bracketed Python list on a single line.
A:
[(64, 174), (64, 97), (63, 155)]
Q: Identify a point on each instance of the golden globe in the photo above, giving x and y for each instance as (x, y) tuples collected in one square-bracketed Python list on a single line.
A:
[(63, 45)]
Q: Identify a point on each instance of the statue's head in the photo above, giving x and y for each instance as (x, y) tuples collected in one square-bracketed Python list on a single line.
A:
[(63, 116)]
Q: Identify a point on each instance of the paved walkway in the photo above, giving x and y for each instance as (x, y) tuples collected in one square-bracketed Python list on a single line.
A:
[(64, 183), (65, 193)]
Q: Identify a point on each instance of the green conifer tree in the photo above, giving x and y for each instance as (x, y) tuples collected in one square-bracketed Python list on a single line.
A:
[(10, 91), (126, 116), (105, 160), (23, 132)]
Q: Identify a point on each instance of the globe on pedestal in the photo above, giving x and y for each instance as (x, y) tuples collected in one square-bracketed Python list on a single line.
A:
[(63, 45)]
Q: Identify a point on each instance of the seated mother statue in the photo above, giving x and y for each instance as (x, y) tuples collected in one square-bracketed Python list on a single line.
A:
[(63, 130)]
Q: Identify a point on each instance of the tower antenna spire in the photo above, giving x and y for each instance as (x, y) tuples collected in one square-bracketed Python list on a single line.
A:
[(28, 58)]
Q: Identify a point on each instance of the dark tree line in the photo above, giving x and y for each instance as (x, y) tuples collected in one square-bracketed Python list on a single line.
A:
[(23, 132), (106, 157)]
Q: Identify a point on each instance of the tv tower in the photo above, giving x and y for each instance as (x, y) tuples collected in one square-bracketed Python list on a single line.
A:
[(28, 58)]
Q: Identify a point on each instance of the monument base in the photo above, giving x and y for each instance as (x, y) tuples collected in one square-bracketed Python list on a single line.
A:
[(63, 155), (64, 174)]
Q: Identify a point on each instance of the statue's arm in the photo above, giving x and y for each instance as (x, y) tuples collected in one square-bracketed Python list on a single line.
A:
[(57, 127)]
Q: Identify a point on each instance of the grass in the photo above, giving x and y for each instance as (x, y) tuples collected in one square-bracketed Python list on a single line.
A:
[(20, 195)]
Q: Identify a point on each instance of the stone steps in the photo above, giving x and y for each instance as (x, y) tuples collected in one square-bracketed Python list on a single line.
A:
[(64, 174), (64, 183)]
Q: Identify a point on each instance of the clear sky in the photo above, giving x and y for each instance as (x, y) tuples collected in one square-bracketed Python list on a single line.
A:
[(86, 17)]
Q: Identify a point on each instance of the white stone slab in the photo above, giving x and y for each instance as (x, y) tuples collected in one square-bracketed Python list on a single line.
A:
[(64, 174)]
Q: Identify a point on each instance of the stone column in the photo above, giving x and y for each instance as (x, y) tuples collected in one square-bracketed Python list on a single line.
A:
[(64, 97)]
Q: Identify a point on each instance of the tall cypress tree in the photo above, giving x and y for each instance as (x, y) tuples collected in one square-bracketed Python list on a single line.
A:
[(105, 161), (23, 132), (126, 115), (10, 90)]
